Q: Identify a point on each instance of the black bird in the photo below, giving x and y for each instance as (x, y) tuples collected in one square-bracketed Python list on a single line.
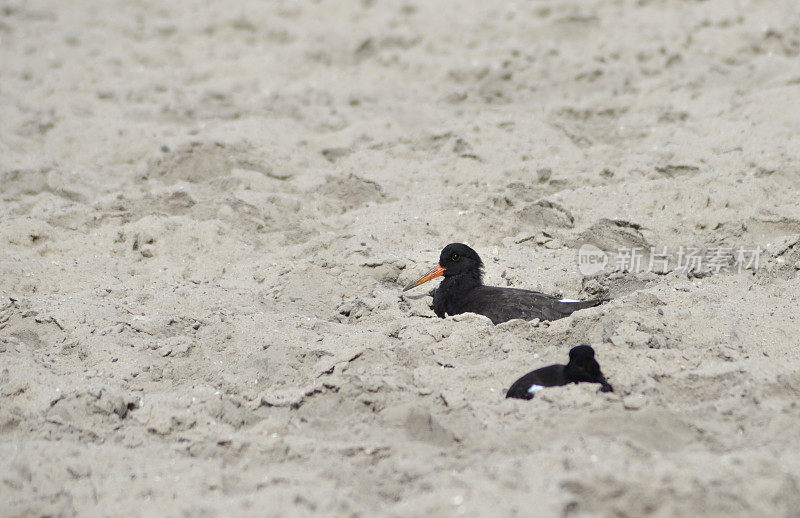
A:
[(462, 291), (582, 367)]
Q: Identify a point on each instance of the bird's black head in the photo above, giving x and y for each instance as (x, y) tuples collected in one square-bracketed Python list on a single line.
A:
[(582, 355), (583, 367), (459, 259)]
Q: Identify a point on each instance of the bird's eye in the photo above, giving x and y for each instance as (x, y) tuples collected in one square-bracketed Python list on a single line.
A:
[(455, 257)]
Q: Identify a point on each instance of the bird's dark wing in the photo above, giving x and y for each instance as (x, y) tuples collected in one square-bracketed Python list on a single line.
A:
[(526, 386), (503, 304)]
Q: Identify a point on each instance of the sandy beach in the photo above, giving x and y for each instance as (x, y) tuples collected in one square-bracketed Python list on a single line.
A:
[(208, 211)]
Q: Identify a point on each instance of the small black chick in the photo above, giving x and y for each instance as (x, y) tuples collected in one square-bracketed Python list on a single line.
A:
[(582, 367)]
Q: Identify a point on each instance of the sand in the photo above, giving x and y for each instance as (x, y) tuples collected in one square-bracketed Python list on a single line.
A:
[(208, 210)]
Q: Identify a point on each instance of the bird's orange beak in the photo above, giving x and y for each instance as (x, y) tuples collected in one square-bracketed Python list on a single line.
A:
[(436, 271)]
